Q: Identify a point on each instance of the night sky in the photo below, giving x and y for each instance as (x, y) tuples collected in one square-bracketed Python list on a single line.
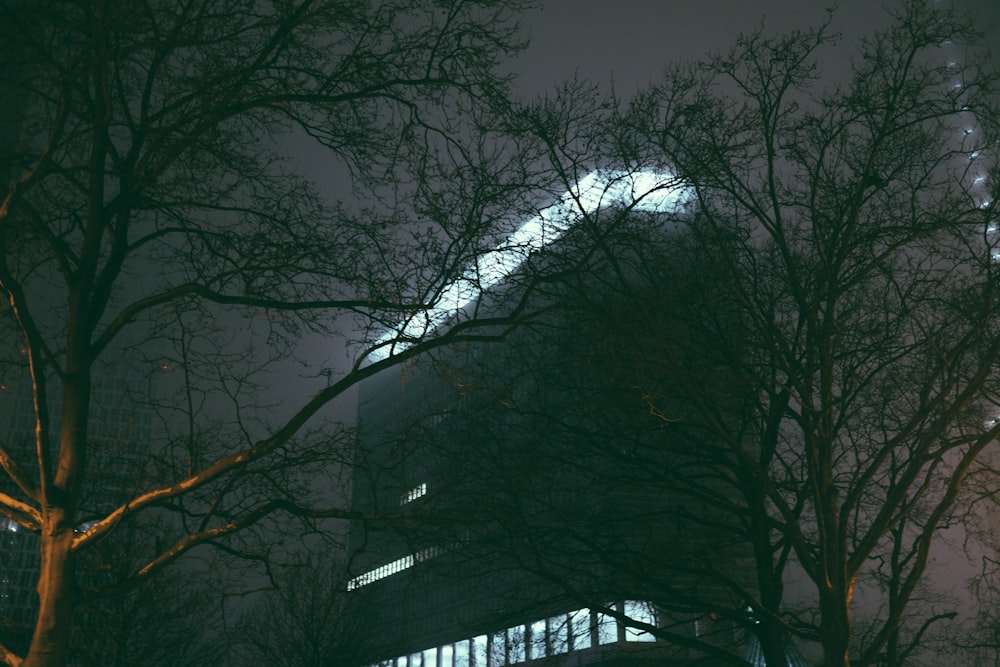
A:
[(634, 39)]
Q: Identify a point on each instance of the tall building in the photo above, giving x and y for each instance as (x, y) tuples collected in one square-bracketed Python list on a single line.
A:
[(442, 595), (489, 541)]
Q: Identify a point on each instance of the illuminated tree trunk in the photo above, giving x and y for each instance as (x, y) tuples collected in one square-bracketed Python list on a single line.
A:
[(57, 594), (57, 586)]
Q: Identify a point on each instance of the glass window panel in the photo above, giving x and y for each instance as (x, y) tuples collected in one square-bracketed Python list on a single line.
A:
[(580, 629), (415, 660), (479, 651), (537, 647), (642, 612), (515, 644), (445, 654), (498, 655), (462, 654), (559, 634), (430, 657), (607, 629)]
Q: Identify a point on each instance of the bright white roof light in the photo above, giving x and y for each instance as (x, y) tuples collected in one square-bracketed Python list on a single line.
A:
[(642, 191)]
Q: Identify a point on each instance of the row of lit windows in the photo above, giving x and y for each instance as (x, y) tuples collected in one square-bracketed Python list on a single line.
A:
[(398, 565), (576, 631), (414, 493)]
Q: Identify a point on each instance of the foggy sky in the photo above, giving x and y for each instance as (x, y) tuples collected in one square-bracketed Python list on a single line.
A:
[(632, 40)]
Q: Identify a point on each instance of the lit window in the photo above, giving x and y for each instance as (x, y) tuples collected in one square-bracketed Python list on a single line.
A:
[(515, 645), (537, 647), (446, 654), (559, 634), (498, 656), (416, 660), (413, 494), (580, 634), (462, 654), (480, 651), (85, 526), (607, 629), (641, 612), (430, 657)]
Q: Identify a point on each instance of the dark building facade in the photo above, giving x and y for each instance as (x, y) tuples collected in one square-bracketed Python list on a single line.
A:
[(510, 518), (439, 588)]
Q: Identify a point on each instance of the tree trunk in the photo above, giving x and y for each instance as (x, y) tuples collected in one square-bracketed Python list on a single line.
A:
[(835, 632), (772, 643), (57, 594)]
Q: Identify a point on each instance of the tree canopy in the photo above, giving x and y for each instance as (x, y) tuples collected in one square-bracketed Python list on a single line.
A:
[(802, 362), (158, 236)]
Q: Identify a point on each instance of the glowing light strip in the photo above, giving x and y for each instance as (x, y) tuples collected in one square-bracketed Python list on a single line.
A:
[(642, 191)]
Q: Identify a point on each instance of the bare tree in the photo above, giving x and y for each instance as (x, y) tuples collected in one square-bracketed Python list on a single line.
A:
[(825, 377), (176, 620), (852, 231), (151, 219), (308, 620)]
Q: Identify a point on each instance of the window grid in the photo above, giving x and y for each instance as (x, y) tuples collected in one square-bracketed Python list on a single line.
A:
[(576, 631), (389, 569)]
